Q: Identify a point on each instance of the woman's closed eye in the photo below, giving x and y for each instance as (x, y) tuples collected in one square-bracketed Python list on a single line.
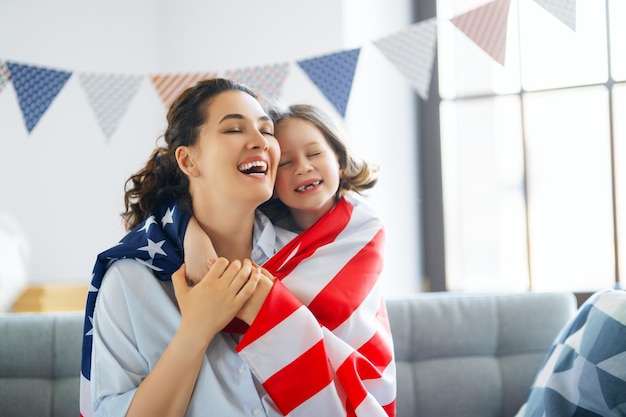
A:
[(264, 132)]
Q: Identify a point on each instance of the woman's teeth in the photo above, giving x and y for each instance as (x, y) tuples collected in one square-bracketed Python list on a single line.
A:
[(255, 167)]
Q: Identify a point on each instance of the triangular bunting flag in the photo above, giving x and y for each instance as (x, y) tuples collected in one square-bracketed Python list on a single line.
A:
[(267, 80), (169, 86), (4, 76), (487, 26), (333, 75), (36, 88), (412, 51), (564, 10), (109, 96)]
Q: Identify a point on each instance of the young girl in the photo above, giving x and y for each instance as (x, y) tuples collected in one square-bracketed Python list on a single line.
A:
[(333, 264), (315, 168)]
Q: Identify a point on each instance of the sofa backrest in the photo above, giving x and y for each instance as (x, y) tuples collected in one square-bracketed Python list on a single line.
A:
[(456, 355), (40, 364), (472, 355)]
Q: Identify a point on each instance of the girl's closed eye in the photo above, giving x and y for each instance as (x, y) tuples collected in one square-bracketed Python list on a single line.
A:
[(283, 163)]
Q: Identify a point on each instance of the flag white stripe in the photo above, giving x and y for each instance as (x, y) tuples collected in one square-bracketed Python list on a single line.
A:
[(285, 348), (325, 402), (306, 282)]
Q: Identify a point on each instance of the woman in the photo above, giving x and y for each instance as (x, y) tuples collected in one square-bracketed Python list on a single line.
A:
[(154, 341)]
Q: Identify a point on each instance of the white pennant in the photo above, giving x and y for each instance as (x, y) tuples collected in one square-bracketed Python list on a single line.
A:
[(564, 10), (109, 96), (412, 51)]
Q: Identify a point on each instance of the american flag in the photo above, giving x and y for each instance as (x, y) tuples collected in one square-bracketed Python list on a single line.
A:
[(327, 292)]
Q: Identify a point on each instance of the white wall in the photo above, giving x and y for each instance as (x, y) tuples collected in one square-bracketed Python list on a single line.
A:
[(63, 182)]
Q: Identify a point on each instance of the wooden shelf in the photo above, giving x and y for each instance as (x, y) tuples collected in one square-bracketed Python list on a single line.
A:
[(52, 297)]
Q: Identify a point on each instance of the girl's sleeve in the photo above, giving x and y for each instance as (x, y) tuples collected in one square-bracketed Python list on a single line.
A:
[(308, 369)]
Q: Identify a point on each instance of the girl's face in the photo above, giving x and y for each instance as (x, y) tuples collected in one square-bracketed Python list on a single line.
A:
[(236, 155), (308, 172)]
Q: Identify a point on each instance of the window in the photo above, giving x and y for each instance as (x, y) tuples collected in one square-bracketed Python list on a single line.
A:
[(534, 151)]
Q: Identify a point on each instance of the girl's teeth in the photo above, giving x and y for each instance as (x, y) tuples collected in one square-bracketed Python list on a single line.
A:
[(306, 187)]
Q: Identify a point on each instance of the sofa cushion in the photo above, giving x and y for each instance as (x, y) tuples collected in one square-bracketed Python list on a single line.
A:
[(40, 364), (584, 373), (472, 355)]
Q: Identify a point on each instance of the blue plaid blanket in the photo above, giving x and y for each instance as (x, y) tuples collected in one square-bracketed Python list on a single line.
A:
[(584, 373)]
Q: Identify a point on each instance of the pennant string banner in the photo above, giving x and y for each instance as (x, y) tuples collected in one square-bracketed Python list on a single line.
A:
[(411, 50)]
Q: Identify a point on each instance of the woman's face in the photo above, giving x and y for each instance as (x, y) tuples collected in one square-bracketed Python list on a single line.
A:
[(236, 153), (308, 172)]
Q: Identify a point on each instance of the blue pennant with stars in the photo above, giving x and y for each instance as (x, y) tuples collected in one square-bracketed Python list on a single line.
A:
[(157, 243), (333, 75), (36, 89)]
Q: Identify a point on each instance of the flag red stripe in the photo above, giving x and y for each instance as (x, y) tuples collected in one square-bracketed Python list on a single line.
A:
[(390, 408), (278, 305), (343, 295), (321, 233), (377, 351), (300, 380), (356, 368)]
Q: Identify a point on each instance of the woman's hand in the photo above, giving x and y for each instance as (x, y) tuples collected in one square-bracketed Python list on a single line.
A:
[(198, 250), (213, 302)]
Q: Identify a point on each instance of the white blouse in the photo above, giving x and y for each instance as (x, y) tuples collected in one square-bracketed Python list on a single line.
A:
[(136, 316)]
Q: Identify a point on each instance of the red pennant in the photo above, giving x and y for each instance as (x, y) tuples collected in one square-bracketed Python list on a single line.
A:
[(486, 26)]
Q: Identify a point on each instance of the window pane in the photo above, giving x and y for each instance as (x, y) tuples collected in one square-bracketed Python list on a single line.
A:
[(555, 56), (569, 186), (464, 68), (617, 24), (619, 108), (483, 196)]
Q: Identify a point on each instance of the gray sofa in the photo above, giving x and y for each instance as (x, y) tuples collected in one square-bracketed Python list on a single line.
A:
[(457, 355)]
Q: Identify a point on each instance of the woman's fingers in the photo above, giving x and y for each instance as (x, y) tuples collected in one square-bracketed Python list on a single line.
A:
[(238, 274), (216, 269), (226, 282), (249, 286)]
